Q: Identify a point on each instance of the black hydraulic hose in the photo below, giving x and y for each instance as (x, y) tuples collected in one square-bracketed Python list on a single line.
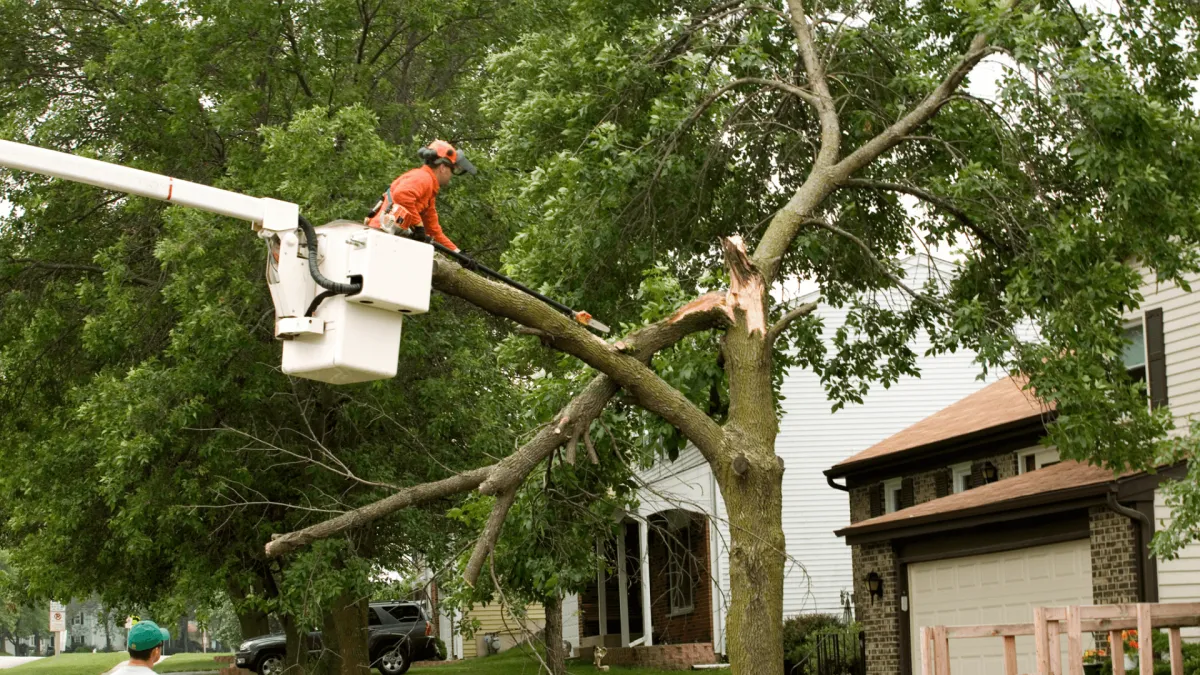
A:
[(312, 307), (472, 264), (337, 288)]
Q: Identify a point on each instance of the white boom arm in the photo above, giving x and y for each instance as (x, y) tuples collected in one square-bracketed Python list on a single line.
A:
[(268, 215), (336, 339)]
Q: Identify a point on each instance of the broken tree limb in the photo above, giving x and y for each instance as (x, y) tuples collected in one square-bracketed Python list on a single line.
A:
[(701, 314), (489, 536), (418, 494)]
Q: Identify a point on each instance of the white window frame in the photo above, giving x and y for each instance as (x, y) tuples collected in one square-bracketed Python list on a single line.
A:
[(1041, 457), (957, 473), (77, 620), (681, 585), (891, 494)]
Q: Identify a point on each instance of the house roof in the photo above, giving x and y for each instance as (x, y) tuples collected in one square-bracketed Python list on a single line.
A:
[(999, 404), (1053, 483)]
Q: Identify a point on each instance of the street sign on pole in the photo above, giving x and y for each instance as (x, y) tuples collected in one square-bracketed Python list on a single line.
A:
[(58, 621)]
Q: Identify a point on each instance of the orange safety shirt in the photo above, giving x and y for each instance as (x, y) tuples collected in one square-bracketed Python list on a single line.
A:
[(416, 191)]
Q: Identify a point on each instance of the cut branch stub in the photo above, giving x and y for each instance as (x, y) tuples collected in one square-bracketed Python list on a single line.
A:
[(741, 465)]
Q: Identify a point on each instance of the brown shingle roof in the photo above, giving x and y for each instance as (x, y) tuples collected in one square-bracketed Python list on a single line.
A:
[(997, 404), (1066, 475)]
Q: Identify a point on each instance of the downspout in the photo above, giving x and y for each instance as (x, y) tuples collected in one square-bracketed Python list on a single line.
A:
[(1145, 532), (715, 552), (836, 486)]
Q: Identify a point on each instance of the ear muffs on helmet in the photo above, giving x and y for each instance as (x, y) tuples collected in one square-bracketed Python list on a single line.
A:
[(441, 152)]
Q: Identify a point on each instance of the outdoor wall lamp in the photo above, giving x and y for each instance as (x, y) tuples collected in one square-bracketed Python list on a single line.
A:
[(875, 585), (989, 473)]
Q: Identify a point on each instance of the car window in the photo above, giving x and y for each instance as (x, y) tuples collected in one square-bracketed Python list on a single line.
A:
[(373, 618), (404, 612)]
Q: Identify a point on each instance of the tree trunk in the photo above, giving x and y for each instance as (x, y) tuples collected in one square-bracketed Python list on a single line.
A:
[(751, 480), (754, 628), (295, 659), (556, 656), (252, 621), (345, 637)]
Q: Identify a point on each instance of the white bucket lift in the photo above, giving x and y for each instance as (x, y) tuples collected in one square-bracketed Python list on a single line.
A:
[(350, 332), (348, 338)]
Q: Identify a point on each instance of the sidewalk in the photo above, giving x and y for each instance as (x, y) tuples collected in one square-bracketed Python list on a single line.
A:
[(14, 661)]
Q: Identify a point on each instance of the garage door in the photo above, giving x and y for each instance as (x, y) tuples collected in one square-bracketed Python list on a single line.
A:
[(996, 588)]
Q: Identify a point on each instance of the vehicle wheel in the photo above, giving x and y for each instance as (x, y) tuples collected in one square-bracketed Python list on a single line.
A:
[(394, 662), (271, 664)]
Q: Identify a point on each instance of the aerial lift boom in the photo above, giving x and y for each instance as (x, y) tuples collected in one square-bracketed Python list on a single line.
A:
[(350, 332)]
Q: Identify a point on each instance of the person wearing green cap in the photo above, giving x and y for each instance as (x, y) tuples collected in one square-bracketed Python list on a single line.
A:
[(145, 648)]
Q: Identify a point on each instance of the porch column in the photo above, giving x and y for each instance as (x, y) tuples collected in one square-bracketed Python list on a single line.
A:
[(602, 600), (644, 549), (623, 587)]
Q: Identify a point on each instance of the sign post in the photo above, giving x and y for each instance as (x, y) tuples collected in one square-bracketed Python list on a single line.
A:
[(58, 625)]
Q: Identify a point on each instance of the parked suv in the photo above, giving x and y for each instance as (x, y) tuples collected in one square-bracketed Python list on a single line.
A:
[(398, 633)]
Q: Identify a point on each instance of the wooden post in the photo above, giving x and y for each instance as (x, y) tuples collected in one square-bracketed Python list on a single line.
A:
[(623, 587), (1010, 655), (1176, 650), (1041, 642), (926, 656), (1116, 650), (1074, 641), (1145, 640), (1053, 628), (941, 651)]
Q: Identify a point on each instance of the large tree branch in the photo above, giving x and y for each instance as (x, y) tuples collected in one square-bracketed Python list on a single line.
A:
[(701, 314), (925, 196), (420, 494), (814, 67), (824, 180), (923, 112), (490, 535), (650, 390)]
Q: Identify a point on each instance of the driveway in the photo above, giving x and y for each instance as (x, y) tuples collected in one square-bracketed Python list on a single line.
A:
[(14, 661)]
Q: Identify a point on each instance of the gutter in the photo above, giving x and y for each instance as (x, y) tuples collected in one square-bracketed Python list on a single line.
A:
[(836, 486), (1147, 568)]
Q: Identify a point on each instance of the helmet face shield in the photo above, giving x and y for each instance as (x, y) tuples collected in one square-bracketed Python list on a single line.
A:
[(441, 152), (463, 165)]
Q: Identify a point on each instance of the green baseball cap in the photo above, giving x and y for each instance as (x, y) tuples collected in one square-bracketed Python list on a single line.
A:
[(146, 635)]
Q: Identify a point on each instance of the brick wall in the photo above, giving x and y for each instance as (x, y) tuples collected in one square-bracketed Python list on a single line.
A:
[(879, 616), (860, 503), (1114, 557), (690, 627), (662, 657)]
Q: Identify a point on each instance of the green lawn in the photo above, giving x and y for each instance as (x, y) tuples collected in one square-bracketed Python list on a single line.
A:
[(183, 663), (518, 662), (72, 664)]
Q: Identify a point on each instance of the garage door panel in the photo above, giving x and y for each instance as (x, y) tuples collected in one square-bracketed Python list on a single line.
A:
[(996, 588)]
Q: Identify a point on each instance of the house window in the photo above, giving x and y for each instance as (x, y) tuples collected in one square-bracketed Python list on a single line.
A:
[(891, 495), (77, 620), (680, 584), (77, 639), (960, 477), (1037, 459), (1134, 355)]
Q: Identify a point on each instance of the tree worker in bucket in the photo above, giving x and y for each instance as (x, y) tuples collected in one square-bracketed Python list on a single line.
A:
[(411, 201), (145, 648)]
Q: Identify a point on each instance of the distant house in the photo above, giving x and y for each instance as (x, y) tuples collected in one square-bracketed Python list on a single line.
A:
[(678, 593), (963, 518)]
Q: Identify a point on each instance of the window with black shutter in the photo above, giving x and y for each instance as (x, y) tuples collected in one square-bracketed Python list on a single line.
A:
[(941, 482), (907, 493), (876, 493), (1156, 357)]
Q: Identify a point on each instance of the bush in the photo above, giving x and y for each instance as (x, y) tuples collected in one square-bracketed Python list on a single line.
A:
[(441, 649), (800, 639)]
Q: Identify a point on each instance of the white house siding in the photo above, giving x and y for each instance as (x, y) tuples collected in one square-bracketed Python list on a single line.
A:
[(811, 440), (1181, 340), (1178, 579)]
